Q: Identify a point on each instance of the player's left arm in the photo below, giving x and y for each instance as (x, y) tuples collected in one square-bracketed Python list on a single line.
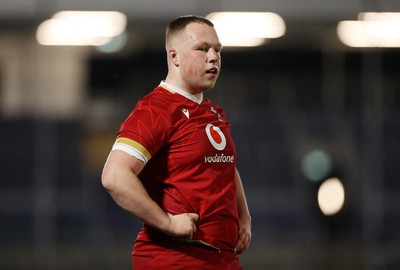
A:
[(244, 218)]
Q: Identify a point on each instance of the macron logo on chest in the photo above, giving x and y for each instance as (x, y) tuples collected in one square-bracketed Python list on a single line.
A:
[(185, 112)]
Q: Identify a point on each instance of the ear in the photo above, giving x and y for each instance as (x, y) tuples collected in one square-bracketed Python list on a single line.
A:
[(173, 56)]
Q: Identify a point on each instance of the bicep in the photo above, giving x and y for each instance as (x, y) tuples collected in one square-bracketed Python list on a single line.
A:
[(121, 159), (120, 163)]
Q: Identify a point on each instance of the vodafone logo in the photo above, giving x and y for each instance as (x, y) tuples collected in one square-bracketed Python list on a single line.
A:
[(216, 137)]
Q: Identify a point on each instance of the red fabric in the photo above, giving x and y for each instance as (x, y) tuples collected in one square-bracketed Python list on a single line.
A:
[(176, 255), (193, 161)]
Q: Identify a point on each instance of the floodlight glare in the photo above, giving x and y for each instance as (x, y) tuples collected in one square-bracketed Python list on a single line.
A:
[(247, 28), (331, 196), (371, 30), (81, 28)]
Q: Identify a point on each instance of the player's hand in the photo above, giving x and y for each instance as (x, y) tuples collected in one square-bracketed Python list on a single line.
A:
[(182, 226), (244, 239)]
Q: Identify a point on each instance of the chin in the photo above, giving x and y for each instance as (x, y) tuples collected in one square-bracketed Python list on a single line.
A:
[(205, 86), (209, 87), (210, 84)]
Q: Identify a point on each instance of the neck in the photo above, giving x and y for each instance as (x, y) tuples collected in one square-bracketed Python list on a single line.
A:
[(177, 83), (184, 93)]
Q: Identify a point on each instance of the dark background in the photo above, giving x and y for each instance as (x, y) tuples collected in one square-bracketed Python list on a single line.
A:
[(300, 93)]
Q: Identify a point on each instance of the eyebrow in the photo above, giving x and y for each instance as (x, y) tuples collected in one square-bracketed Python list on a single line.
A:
[(209, 44)]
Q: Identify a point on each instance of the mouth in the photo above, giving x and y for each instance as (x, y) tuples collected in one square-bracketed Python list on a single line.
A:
[(213, 70)]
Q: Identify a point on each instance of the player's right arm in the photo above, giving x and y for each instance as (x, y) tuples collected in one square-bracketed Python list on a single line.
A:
[(120, 179)]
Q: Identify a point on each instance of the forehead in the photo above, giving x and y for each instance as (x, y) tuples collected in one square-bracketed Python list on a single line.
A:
[(201, 33)]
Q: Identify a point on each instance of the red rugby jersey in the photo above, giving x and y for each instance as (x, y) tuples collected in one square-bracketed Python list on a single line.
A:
[(190, 161)]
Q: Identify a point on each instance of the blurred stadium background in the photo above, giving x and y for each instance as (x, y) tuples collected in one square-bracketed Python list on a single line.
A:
[(305, 108)]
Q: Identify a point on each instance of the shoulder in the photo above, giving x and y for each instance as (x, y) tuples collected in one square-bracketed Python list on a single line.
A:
[(158, 107), (160, 99)]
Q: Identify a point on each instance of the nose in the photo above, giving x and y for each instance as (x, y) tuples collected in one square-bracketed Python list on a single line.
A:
[(213, 55)]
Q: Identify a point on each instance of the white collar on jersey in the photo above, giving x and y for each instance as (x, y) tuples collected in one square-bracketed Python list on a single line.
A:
[(182, 92)]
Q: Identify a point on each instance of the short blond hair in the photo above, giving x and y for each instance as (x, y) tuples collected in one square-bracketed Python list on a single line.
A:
[(180, 23)]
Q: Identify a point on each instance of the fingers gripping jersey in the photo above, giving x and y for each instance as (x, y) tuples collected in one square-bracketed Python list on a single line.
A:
[(190, 161)]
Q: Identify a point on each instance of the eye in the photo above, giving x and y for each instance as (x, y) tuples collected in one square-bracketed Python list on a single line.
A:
[(218, 48), (202, 49)]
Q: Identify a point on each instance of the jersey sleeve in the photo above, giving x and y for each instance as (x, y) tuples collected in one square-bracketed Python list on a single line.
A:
[(144, 132)]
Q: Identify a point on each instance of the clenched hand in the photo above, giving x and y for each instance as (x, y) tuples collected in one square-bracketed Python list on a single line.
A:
[(182, 226)]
